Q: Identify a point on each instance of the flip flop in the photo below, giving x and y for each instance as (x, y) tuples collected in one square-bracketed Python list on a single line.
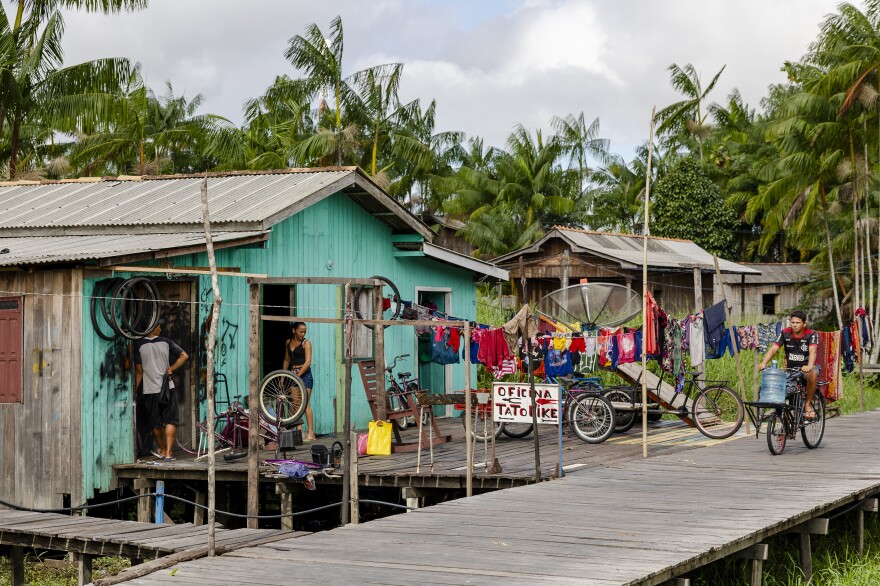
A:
[(813, 416)]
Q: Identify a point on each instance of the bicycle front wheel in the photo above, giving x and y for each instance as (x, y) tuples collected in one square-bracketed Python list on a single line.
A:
[(718, 412), (591, 418), (814, 429), (776, 434), (283, 397)]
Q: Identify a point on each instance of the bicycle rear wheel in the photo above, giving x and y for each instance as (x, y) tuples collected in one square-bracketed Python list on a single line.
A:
[(516, 430), (591, 418), (285, 392), (623, 419), (813, 430), (718, 412), (776, 434), (480, 426)]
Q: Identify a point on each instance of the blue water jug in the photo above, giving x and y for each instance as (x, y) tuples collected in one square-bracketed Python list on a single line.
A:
[(773, 385)]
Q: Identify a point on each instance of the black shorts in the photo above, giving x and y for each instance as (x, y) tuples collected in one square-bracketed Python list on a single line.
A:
[(161, 415)]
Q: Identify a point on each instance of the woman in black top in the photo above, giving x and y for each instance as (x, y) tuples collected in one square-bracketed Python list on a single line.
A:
[(298, 358)]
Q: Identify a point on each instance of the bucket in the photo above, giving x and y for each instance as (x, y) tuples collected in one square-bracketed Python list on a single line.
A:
[(773, 386), (321, 455)]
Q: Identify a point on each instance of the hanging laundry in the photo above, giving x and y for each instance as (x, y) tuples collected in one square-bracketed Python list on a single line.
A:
[(558, 363), (766, 336), (714, 322), (455, 339), (828, 360), (603, 351), (650, 326), (442, 351), (722, 346), (522, 324), (696, 343), (493, 348), (577, 345), (747, 337), (507, 366), (846, 349), (590, 346), (559, 342), (626, 345)]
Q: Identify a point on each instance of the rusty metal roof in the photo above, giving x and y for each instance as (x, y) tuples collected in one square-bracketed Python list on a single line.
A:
[(626, 250), (23, 250), (237, 201)]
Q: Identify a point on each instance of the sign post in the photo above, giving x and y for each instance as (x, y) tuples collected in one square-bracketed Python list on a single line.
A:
[(513, 403)]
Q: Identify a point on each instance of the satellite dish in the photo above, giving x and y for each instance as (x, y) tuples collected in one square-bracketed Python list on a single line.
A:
[(603, 305)]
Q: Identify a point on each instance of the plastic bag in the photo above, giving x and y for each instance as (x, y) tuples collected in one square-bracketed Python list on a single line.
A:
[(362, 444), (379, 438)]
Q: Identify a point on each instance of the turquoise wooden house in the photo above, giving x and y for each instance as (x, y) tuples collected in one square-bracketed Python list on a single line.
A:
[(66, 397)]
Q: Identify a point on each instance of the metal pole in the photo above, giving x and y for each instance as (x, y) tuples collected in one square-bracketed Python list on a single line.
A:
[(532, 394), (645, 233)]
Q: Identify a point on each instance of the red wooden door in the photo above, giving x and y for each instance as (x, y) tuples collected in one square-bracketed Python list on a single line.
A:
[(10, 349)]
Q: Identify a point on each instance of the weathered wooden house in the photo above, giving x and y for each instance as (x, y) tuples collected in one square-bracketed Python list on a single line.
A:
[(680, 273), (770, 294), (66, 394)]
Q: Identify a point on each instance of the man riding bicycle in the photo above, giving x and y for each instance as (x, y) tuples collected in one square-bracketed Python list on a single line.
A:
[(801, 345)]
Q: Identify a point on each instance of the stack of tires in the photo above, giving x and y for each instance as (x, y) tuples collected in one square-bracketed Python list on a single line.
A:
[(126, 308)]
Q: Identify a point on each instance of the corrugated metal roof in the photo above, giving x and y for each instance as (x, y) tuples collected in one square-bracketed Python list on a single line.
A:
[(663, 253), (773, 273), (54, 249), (157, 201)]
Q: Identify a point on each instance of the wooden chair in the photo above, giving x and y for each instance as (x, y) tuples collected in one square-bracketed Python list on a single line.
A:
[(430, 431)]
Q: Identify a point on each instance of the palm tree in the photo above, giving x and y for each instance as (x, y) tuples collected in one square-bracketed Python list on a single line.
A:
[(687, 117), (580, 142), (36, 92), (41, 10), (618, 197)]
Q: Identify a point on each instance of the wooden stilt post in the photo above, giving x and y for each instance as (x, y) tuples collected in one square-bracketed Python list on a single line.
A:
[(345, 510), (199, 512), (253, 491), (354, 496), (283, 490), (17, 559), (755, 556), (817, 526), (83, 568), (868, 505), (144, 504), (212, 342)]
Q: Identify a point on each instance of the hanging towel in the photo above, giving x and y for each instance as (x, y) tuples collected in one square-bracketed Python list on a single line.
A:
[(696, 344)]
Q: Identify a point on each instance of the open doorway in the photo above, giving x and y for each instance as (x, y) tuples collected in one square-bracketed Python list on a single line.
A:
[(434, 377), (277, 300)]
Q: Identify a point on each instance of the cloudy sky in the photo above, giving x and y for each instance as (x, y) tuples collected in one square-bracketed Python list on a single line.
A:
[(490, 64)]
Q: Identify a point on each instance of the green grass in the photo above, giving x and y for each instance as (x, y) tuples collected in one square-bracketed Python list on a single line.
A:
[(835, 560), (36, 573)]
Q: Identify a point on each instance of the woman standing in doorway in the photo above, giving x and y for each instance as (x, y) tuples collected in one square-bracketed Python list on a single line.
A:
[(298, 358)]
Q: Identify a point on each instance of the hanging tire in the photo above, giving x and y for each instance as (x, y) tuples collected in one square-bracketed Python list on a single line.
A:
[(287, 389), (139, 316), (96, 307), (395, 299)]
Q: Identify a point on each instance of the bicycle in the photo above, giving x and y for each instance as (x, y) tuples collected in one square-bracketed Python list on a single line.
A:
[(230, 432), (789, 417), (397, 393), (715, 409), (589, 415)]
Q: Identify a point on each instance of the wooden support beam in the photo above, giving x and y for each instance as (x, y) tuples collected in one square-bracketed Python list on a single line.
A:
[(817, 526), (84, 567), (756, 555), (17, 558), (412, 496), (869, 505), (283, 490), (199, 513), (253, 485), (678, 582), (145, 504), (806, 557)]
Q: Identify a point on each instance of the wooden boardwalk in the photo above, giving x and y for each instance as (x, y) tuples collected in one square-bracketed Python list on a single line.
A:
[(636, 522), (399, 470)]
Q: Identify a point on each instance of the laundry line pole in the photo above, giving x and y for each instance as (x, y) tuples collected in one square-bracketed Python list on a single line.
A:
[(645, 233)]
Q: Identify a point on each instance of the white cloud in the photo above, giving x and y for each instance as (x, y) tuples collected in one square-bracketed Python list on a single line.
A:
[(489, 65)]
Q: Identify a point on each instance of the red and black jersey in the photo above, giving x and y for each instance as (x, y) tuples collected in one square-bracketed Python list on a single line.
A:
[(797, 350)]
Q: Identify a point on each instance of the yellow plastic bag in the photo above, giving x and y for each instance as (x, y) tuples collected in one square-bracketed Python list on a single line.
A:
[(379, 438)]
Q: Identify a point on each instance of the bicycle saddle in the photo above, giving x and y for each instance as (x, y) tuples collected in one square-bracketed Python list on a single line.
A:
[(404, 375), (566, 380)]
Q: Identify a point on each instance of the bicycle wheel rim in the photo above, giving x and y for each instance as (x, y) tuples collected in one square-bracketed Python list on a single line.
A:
[(285, 392), (592, 419), (812, 431), (718, 412), (776, 434)]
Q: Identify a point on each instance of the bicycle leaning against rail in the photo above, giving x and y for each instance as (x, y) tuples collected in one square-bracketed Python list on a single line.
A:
[(715, 409), (787, 418)]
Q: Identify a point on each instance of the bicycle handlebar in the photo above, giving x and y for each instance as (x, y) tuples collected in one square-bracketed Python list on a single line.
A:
[(394, 362)]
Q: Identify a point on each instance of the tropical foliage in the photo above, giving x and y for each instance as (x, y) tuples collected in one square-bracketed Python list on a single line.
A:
[(792, 178)]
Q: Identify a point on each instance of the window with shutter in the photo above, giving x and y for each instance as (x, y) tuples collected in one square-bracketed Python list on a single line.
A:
[(10, 349)]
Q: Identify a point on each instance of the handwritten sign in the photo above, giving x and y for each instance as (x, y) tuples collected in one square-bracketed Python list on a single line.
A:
[(512, 403)]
